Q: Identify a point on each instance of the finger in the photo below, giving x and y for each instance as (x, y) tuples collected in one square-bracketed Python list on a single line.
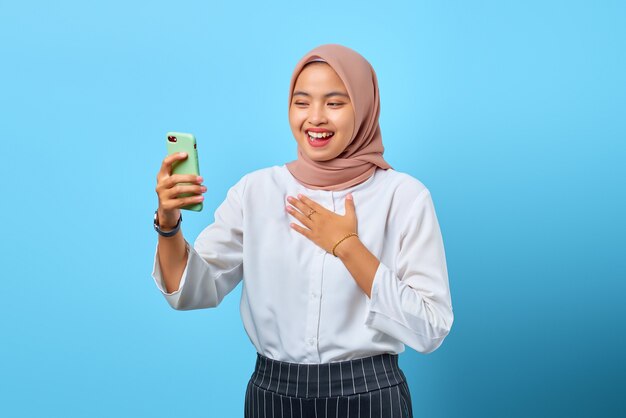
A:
[(300, 216), (311, 203), (298, 204), (180, 189), (349, 203), (303, 231), (305, 210), (302, 207), (179, 202), (183, 178), (166, 166), (189, 200), (168, 182)]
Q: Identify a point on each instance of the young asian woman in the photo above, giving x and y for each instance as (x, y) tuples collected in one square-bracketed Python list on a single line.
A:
[(341, 257)]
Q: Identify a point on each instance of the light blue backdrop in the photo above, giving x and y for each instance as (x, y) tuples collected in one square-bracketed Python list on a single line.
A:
[(511, 112)]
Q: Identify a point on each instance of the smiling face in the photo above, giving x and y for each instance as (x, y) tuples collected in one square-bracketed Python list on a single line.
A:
[(321, 113)]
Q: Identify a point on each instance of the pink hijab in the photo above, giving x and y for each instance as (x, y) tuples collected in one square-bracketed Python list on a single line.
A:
[(364, 152)]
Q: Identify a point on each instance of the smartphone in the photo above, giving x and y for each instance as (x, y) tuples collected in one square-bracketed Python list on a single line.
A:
[(182, 142)]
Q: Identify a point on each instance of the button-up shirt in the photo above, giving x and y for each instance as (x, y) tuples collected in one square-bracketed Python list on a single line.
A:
[(301, 304)]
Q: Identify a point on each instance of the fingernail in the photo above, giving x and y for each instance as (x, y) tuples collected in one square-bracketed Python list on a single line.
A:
[(349, 196), (199, 179), (182, 154)]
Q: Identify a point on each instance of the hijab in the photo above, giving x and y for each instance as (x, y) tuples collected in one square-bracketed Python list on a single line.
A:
[(364, 153)]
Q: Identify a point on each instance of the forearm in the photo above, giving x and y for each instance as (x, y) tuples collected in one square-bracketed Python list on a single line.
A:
[(172, 255), (359, 261)]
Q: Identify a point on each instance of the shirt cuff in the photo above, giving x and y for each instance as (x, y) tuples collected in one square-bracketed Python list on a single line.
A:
[(373, 300), (385, 313)]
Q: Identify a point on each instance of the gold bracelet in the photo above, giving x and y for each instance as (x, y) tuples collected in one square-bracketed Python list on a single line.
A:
[(341, 240)]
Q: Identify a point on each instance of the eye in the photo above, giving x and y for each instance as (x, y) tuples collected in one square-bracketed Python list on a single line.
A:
[(300, 104), (335, 104)]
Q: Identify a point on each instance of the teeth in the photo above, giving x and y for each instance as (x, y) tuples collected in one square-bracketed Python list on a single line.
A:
[(320, 134)]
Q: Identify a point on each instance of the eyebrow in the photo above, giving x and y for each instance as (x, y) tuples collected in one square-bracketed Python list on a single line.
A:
[(327, 95)]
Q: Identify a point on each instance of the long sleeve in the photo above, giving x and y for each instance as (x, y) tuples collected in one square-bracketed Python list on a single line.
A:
[(412, 303), (215, 262)]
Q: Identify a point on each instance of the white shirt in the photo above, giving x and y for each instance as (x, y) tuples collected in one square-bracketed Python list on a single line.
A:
[(300, 303)]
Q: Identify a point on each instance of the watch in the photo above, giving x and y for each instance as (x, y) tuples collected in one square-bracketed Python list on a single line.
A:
[(166, 233)]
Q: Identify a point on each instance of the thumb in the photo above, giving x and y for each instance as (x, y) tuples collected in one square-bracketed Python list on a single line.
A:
[(350, 205)]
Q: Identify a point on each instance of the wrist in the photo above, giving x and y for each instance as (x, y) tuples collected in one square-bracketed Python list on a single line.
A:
[(346, 246), (166, 231), (165, 227), (167, 222)]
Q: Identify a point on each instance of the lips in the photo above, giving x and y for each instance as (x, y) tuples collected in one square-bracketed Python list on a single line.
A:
[(318, 142)]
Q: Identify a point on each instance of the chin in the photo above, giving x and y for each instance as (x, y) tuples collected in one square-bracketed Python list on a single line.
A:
[(321, 157), (318, 154)]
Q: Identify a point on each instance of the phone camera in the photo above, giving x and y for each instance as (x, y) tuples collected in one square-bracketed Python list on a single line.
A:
[(171, 138)]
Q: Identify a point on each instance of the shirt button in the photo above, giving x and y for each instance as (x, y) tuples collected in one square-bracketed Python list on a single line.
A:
[(313, 295), (311, 341)]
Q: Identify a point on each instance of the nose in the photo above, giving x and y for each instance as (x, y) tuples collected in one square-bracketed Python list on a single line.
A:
[(317, 115)]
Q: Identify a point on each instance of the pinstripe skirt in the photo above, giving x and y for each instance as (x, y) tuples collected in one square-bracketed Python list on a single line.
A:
[(372, 387)]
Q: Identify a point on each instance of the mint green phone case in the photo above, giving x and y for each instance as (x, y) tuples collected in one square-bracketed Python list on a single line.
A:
[(182, 142)]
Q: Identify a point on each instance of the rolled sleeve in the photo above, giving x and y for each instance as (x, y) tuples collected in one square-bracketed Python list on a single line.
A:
[(157, 275), (214, 264), (412, 302)]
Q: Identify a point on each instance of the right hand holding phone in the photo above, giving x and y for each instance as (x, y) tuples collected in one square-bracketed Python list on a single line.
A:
[(168, 190)]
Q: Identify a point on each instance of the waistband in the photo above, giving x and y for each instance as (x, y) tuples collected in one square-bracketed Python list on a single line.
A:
[(342, 378)]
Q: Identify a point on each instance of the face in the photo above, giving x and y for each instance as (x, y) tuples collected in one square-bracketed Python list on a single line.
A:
[(321, 113)]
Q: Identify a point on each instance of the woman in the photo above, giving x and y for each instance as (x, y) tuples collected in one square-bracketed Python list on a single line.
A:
[(328, 302)]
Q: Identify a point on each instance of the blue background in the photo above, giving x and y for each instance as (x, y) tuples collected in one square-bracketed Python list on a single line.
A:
[(511, 112)]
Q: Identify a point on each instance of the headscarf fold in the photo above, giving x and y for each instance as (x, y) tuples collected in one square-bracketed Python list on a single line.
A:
[(364, 153)]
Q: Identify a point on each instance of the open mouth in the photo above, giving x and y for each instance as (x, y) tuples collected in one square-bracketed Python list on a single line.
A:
[(320, 136), (319, 139)]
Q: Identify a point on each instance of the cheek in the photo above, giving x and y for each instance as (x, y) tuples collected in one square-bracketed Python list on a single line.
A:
[(295, 119), (345, 122), (343, 144)]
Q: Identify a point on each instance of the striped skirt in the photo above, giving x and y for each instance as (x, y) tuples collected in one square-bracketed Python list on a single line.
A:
[(372, 387)]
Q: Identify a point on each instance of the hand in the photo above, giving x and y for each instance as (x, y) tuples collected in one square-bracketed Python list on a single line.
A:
[(168, 189), (323, 227)]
